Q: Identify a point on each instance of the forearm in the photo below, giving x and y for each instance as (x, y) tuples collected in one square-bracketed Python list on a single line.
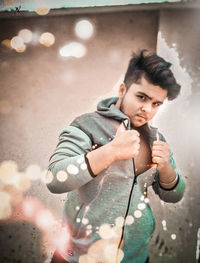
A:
[(167, 176), (101, 158)]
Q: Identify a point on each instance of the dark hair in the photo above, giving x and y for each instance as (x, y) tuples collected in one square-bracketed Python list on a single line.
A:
[(155, 70)]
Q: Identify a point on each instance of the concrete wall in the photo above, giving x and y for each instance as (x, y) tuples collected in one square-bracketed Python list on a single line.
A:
[(44, 92), (178, 41)]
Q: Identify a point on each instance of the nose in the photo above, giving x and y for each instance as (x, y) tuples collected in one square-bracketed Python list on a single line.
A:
[(147, 107)]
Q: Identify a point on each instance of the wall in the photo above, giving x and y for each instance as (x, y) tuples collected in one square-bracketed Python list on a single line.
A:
[(41, 92)]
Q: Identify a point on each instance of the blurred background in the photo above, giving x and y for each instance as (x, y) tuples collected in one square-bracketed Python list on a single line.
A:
[(57, 60)]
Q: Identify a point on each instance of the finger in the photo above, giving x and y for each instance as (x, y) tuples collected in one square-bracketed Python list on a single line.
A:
[(156, 160), (158, 153), (159, 143), (161, 147)]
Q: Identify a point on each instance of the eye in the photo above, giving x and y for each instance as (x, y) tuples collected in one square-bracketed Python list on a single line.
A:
[(141, 97), (157, 104)]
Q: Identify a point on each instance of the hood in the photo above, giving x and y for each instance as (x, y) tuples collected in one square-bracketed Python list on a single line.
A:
[(107, 108)]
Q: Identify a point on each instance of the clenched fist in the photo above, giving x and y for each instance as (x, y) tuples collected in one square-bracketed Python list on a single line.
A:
[(160, 154), (126, 143)]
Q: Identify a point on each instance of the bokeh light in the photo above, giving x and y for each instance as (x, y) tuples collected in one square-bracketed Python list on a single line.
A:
[(85, 221), (12, 183), (80, 160), (47, 39), (45, 219), (141, 206), (83, 166), (61, 176), (48, 177), (30, 207), (119, 221), (17, 42), (61, 239), (8, 171), (21, 49), (33, 172), (5, 205), (73, 49), (137, 214), (105, 231), (84, 29), (26, 35), (173, 236), (6, 43), (72, 169), (129, 220), (42, 11)]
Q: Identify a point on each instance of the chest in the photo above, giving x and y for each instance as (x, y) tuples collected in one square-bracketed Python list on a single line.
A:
[(143, 159)]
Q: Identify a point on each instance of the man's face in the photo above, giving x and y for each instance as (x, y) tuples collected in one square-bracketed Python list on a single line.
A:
[(141, 102)]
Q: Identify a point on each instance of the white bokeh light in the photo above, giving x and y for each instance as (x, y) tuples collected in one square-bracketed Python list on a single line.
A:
[(73, 49), (84, 29), (47, 39), (137, 214), (61, 176), (72, 169), (17, 42), (26, 35)]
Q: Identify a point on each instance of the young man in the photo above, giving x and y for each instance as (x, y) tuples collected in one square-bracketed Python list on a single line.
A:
[(107, 159)]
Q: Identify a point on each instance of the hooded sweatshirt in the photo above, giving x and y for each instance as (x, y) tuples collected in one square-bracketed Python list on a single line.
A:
[(108, 215)]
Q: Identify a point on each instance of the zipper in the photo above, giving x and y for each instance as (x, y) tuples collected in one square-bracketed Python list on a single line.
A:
[(128, 206)]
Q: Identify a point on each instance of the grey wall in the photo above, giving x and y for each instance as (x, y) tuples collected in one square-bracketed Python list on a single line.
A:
[(178, 41), (46, 92)]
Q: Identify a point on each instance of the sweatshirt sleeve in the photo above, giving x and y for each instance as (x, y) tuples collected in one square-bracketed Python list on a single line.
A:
[(174, 194), (67, 166)]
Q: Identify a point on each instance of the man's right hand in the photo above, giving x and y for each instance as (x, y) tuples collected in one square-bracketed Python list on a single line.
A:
[(125, 144)]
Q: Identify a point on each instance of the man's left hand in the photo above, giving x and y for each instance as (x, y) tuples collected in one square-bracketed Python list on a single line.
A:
[(160, 154)]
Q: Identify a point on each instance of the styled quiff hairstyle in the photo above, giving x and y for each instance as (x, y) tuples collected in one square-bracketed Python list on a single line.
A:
[(155, 70)]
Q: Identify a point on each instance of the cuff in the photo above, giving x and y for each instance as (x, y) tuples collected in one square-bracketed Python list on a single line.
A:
[(169, 189), (88, 166)]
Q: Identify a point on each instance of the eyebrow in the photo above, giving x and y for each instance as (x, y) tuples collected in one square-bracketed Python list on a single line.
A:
[(144, 94)]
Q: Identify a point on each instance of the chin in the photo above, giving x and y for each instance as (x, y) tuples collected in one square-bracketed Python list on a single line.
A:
[(138, 124)]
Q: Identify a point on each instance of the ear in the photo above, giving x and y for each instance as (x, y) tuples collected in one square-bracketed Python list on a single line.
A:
[(122, 90)]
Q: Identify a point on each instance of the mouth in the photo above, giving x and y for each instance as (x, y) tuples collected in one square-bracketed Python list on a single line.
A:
[(141, 117)]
